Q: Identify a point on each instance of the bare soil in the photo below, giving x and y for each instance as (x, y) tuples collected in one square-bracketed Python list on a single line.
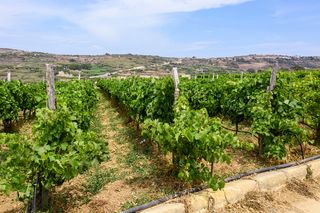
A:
[(9, 204)]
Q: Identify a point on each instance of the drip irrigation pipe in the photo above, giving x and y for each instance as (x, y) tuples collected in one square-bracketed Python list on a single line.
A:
[(227, 180), (239, 131)]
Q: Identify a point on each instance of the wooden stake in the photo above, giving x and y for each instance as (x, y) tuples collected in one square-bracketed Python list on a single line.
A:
[(273, 79), (50, 87), (9, 76), (175, 75), (79, 75)]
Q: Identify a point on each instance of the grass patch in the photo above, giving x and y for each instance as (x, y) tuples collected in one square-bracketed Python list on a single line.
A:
[(98, 178), (139, 164), (96, 125)]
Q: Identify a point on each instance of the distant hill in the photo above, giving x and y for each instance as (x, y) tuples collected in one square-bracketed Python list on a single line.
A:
[(29, 66)]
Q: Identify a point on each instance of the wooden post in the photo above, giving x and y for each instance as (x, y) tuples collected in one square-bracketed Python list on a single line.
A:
[(241, 76), (79, 75), (175, 75), (50, 87), (273, 79), (9, 76), (213, 76)]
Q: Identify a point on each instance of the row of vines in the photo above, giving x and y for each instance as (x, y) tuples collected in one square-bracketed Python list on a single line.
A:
[(287, 115), (62, 143), (17, 97), (192, 129)]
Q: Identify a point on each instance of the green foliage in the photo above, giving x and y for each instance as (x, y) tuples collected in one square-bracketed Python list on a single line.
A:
[(274, 117), (306, 91), (226, 95), (9, 106), (61, 146), (81, 98), (16, 164), (193, 137), (143, 98), (33, 96), (16, 97)]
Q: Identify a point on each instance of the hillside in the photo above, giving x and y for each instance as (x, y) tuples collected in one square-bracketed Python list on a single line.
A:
[(29, 66)]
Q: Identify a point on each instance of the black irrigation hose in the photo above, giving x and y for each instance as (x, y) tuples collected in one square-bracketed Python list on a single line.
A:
[(227, 180), (239, 131)]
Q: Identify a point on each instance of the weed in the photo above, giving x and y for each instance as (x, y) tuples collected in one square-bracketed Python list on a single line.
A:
[(139, 163), (309, 172), (98, 179), (97, 126)]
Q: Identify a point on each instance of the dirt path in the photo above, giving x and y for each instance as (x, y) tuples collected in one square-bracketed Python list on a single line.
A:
[(133, 175), (113, 195), (298, 196)]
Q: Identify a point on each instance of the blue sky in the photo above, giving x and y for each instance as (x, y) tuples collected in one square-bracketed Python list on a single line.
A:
[(202, 28)]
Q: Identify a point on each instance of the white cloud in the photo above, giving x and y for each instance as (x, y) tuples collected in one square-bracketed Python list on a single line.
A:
[(162, 6), (105, 17), (111, 18), (127, 24)]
